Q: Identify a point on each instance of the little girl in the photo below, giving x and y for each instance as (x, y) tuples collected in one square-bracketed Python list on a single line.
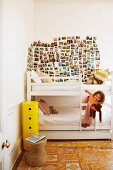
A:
[(97, 98)]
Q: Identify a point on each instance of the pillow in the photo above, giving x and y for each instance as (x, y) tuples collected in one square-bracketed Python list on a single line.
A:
[(44, 106), (47, 80), (34, 77)]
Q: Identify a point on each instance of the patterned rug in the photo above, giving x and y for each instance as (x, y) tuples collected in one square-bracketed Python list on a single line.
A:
[(76, 155)]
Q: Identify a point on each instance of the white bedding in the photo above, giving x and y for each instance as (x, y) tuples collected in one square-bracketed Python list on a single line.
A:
[(66, 116), (70, 116)]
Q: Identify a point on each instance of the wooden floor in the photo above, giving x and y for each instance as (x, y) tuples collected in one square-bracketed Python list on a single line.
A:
[(74, 155)]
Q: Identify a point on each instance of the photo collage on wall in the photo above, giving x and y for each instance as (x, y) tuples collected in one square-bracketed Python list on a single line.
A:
[(65, 56)]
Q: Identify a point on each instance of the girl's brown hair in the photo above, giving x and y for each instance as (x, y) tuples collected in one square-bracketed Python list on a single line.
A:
[(101, 94)]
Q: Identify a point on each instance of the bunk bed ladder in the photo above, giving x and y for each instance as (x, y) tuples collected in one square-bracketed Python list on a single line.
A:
[(95, 124), (81, 94), (111, 128)]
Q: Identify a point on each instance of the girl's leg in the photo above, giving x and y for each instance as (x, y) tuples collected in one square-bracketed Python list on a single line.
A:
[(87, 120)]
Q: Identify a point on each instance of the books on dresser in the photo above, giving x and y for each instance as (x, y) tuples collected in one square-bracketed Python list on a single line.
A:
[(35, 138)]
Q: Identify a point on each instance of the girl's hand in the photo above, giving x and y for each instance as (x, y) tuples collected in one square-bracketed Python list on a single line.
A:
[(88, 92), (93, 108)]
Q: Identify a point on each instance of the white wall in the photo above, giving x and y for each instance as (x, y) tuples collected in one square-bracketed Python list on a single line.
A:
[(77, 17), (18, 33)]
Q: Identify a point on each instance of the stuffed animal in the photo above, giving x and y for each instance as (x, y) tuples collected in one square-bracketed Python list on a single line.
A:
[(99, 77), (96, 108), (53, 110)]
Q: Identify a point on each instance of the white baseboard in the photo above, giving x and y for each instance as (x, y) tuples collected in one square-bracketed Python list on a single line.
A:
[(14, 154)]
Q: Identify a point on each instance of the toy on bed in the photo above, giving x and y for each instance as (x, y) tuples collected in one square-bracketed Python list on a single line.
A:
[(46, 109), (99, 77), (96, 108)]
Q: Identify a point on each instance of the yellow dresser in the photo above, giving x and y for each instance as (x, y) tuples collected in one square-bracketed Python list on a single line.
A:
[(29, 120)]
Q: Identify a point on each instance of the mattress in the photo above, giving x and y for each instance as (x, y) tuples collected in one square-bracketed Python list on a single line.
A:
[(70, 116), (66, 116)]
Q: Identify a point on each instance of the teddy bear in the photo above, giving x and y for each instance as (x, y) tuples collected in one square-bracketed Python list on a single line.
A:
[(53, 110), (94, 80), (96, 108), (99, 77)]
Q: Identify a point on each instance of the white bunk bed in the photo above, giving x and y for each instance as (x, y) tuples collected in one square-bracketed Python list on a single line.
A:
[(67, 123)]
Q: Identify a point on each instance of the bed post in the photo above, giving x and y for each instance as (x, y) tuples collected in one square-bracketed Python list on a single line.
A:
[(28, 86), (81, 96), (112, 105)]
